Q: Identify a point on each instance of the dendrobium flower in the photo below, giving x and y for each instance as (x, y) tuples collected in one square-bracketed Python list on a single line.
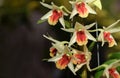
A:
[(80, 34), (82, 7), (105, 34), (113, 73), (53, 51), (81, 58), (63, 62), (110, 70), (54, 15)]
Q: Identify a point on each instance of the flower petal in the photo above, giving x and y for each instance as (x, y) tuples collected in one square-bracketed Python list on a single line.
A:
[(82, 9), (90, 25), (109, 38), (51, 39), (89, 1), (74, 12), (73, 39), (112, 26), (101, 38), (81, 38), (89, 36), (71, 67), (47, 15), (56, 15), (68, 30), (113, 72), (56, 58), (90, 10), (98, 4), (63, 62), (113, 30), (78, 26), (46, 5), (79, 66), (62, 21), (53, 51)]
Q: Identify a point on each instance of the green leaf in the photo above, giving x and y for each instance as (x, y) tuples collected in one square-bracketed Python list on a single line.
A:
[(98, 74), (110, 61), (115, 55), (40, 21)]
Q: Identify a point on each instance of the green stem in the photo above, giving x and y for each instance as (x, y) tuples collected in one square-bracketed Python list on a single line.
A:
[(104, 65)]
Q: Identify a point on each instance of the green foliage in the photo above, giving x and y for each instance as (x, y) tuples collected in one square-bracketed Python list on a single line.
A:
[(98, 74), (115, 55)]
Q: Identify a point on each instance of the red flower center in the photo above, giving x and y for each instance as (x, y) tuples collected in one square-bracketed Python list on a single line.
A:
[(53, 51), (80, 58), (114, 73), (63, 62), (107, 36), (82, 10), (56, 14), (81, 38)]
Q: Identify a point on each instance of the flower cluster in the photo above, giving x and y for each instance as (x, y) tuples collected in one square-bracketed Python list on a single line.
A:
[(65, 56), (62, 53)]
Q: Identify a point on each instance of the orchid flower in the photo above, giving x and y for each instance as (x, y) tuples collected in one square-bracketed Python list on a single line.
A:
[(111, 70), (54, 15), (80, 34), (82, 7), (105, 34), (82, 58)]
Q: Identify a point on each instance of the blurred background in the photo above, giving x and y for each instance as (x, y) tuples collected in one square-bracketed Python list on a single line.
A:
[(22, 46)]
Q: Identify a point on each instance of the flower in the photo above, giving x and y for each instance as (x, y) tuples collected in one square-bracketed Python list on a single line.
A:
[(110, 70), (81, 58), (113, 73), (105, 34), (54, 15), (82, 7), (80, 34), (63, 62), (53, 51)]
